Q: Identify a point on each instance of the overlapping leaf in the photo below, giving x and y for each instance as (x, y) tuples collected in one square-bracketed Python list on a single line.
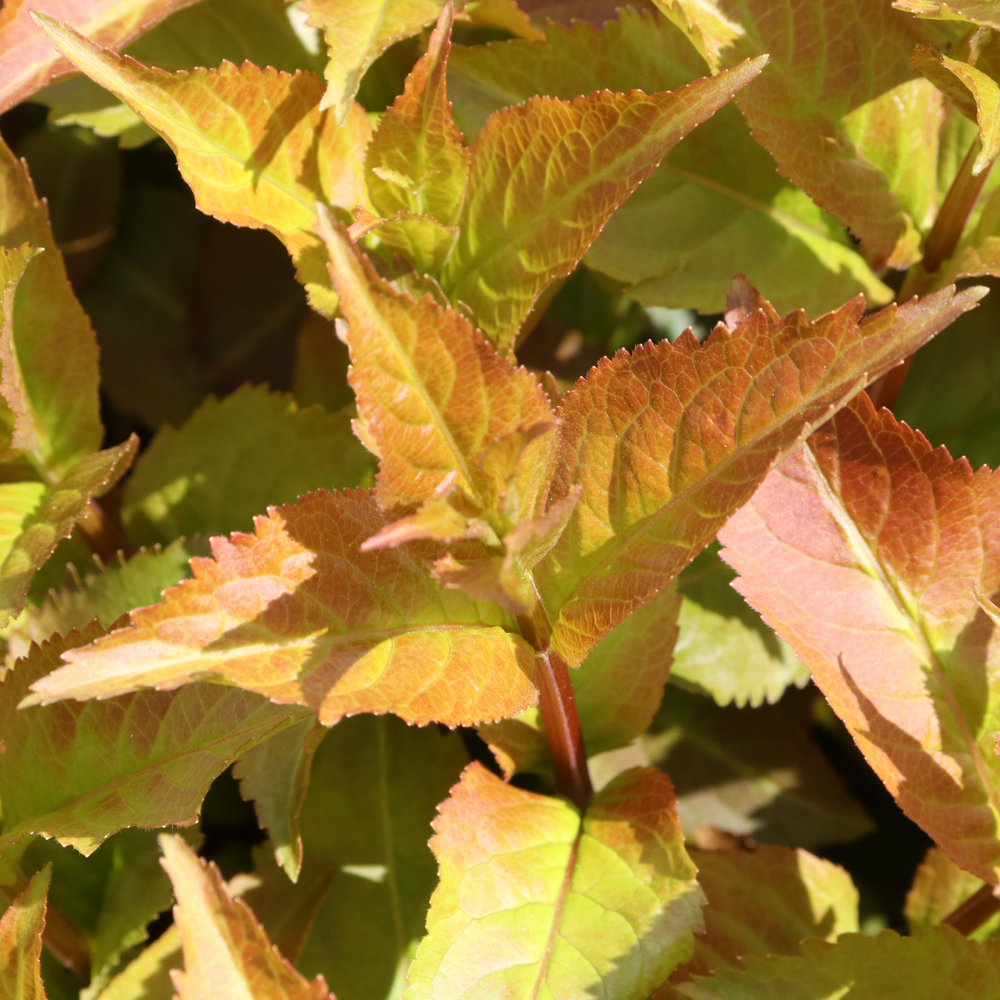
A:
[(938, 965), (534, 899), (717, 194), (357, 32), (939, 888), (21, 942), (866, 551), (546, 175), (225, 948), (81, 771), (977, 11), (27, 59), (298, 613), (667, 442), (252, 143), (232, 460)]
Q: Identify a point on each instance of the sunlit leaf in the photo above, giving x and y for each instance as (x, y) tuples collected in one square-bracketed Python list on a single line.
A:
[(546, 176), (21, 942), (252, 143), (977, 11), (274, 613), (938, 965), (27, 59), (225, 948), (939, 888), (147, 977), (232, 460), (865, 550), (534, 899), (667, 442), (80, 771), (275, 775)]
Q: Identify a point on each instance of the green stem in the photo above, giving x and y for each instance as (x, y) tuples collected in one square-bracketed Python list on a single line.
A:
[(974, 912)]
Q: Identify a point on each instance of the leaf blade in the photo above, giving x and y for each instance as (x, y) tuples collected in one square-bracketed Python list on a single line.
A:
[(21, 941)]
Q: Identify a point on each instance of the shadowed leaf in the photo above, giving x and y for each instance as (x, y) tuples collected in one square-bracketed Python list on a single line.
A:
[(939, 888), (298, 613), (533, 897), (21, 942), (667, 442), (147, 977), (865, 550)]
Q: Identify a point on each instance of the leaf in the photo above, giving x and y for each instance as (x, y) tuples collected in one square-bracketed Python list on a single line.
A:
[(81, 771), (617, 690), (376, 783), (416, 161), (893, 634), (49, 350), (434, 398), (147, 977), (978, 11), (717, 194), (669, 441), (274, 613), (751, 773), (265, 171), (27, 60), (939, 888), (232, 459), (321, 362), (275, 776), (546, 175), (534, 899), (940, 964), (225, 947), (357, 32), (21, 942), (764, 902), (972, 91), (723, 648)]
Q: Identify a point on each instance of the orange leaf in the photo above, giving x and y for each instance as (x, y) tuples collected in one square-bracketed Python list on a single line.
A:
[(21, 941), (546, 176), (667, 442), (299, 614), (866, 550), (252, 143), (226, 951), (27, 60)]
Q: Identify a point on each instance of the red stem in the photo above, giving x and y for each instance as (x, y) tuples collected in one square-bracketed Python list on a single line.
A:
[(562, 729), (974, 912)]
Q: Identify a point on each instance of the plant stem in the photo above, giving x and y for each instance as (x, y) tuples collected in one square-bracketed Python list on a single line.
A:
[(103, 535), (562, 729), (974, 912)]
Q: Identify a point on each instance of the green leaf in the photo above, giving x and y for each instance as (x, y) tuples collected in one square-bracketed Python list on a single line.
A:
[(275, 776), (321, 362), (546, 176), (938, 965), (273, 615), (724, 649), (939, 888), (534, 899), (751, 773), (21, 942), (376, 783), (717, 194), (617, 690), (669, 441), (139, 760), (147, 977), (976, 11), (232, 460)]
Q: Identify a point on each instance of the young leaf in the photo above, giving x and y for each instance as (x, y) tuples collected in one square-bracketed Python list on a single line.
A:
[(233, 459), (723, 648), (376, 785), (938, 965), (866, 551), (533, 896), (718, 194), (764, 902), (225, 948), (21, 942), (147, 977), (275, 775), (545, 177), (274, 614), (939, 888), (416, 161), (669, 441), (434, 398), (253, 144), (27, 60), (750, 773), (357, 32), (81, 771), (977, 11), (617, 690)]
